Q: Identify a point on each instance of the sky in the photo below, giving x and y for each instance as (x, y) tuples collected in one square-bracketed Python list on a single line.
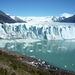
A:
[(37, 7)]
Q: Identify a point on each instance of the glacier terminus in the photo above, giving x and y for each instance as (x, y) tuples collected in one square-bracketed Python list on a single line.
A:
[(38, 30)]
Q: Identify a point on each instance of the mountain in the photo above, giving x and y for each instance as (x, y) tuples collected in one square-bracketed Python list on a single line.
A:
[(60, 18), (4, 18), (65, 17), (70, 19), (17, 19)]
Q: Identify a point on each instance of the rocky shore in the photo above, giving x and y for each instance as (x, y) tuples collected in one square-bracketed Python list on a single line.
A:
[(13, 63)]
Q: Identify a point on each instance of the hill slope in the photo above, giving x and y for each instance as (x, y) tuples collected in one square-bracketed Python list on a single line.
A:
[(7, 19), (12, 63)]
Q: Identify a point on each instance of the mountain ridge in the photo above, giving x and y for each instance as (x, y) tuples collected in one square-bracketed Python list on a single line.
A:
[(70, 19), (4, 18), (65, 17), (60, 18)]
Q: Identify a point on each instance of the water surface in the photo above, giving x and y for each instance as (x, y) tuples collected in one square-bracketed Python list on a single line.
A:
[(58, 53)]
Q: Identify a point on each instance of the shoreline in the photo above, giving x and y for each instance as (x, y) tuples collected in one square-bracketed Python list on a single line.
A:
[(37, 63)]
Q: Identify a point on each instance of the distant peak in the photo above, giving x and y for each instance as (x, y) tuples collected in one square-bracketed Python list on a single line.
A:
[(66, 15)]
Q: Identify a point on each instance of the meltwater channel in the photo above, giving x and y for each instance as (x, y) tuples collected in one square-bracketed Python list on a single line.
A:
[(58, 53)]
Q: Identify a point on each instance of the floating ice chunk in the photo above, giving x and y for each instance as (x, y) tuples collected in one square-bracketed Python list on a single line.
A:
[(32, 56), (39, 59), (49, 51), (65, 66), (31, 50)]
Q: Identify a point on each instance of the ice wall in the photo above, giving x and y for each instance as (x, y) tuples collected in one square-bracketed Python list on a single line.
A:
[(41, 31)]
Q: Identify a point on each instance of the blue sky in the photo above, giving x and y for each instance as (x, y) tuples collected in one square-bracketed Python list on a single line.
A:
[(37, 7)]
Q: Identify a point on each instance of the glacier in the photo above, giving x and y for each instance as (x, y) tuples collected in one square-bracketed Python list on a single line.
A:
[(38, 30)]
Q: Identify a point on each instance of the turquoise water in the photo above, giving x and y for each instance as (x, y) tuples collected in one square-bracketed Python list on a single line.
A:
[(58, 53)]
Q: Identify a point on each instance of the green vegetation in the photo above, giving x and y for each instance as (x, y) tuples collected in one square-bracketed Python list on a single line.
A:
[(3, 71), (12, 65), (15, 65)]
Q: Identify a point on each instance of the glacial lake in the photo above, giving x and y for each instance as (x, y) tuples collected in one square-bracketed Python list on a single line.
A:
[(58, 53)]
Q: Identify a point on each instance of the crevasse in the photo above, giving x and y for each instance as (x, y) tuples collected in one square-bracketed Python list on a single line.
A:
[(50, 31)]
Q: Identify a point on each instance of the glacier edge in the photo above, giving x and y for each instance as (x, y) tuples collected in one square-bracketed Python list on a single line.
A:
[(48, 31)]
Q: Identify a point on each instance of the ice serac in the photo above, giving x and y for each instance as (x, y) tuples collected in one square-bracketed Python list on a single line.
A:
[(48, 31), (2, 33)]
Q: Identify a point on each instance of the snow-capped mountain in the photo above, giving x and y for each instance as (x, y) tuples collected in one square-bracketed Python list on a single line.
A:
[(69, 19), (43, 19), (17, 19), (63, 17), (66, 15), (5, 18)]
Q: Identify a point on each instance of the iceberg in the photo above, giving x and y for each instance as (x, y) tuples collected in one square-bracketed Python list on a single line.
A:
[(41, 30)]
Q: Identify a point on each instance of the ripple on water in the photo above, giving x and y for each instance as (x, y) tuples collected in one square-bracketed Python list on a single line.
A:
[(72, 64), (61, 58)]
